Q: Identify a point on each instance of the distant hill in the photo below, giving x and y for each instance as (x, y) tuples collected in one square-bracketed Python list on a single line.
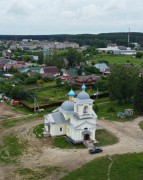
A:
[(99, 40)]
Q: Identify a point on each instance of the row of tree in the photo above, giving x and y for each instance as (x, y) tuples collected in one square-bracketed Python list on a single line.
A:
[(98, 40)]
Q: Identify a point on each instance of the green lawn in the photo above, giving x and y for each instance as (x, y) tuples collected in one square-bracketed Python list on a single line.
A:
[(10, 149), (105, 111), (124, 167), (105, 138), (117, 59), (62, 143), (141, 125)]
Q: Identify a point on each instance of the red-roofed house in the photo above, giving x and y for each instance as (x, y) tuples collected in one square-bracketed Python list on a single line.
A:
[(50, 71)]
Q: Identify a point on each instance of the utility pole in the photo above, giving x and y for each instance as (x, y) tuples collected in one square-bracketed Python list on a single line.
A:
[(36, 105), (128, 37)]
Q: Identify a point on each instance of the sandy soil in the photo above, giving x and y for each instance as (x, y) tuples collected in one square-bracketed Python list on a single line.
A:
[(7, 112), (41, 153)]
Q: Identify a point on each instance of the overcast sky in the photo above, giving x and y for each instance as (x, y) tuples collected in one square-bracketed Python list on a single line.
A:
[(70, 16)]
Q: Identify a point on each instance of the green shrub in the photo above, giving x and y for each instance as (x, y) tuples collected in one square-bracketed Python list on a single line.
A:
[(38, 131)]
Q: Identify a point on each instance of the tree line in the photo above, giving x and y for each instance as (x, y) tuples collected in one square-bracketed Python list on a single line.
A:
[(98, 40)]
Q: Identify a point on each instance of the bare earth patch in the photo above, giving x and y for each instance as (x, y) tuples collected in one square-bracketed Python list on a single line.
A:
[(41, 153), (7, 112)]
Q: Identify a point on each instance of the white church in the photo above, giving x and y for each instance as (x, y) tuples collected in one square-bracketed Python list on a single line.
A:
[(75, 118)]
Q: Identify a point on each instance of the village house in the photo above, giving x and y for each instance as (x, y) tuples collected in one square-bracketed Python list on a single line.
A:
[(88, 80), (103, 68), (75, 118), (50, 71)]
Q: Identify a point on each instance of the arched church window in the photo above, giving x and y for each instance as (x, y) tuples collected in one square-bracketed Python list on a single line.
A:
[(85, 109)]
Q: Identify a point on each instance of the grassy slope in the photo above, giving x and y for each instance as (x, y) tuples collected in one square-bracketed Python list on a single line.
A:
[(127, 166), (118, 59), (10, 149), (105, 138), (38, 173), (62, 143), (103, 111)]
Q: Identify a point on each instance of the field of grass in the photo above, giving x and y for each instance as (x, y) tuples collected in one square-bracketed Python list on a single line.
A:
[(124, 167), (105, 111), (10, 149), (117, 59), (61, 142), (38, 173), (105, 138), (36, 86), (141, 125), (8, 123), (48, 96), (52, 95)]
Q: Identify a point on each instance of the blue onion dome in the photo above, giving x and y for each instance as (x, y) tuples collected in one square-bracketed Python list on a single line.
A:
[(67, 106), (71, 93), (83, 87), (83, 96)]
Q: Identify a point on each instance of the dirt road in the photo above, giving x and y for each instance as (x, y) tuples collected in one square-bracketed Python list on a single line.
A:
[(41, 153)]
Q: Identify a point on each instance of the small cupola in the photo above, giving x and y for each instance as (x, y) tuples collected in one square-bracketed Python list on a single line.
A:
[(83, 88), (71, 95)]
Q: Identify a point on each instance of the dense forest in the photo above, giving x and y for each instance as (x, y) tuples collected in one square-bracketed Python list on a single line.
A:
[(99, 40)]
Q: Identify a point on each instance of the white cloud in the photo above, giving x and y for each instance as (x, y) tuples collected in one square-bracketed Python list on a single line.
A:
[(69, 16)]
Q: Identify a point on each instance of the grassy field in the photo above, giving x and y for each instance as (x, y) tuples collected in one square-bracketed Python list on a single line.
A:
[(48, 96), (117, 59), (61, 142), (109, 111), (105, 138), (52, 95), (38, 173), (10, 149), (124, 167), (43, 85), (141, 125), (8, 123)]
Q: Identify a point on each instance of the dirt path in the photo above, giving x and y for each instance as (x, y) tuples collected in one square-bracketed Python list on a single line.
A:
[(130, 140), (6, 111), (40, 152)]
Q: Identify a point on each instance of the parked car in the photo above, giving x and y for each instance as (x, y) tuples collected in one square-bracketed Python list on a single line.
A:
[(95, 150)]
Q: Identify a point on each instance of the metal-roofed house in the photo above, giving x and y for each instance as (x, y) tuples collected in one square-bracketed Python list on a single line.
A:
[(50, 71), (102, 67), (75, 118)]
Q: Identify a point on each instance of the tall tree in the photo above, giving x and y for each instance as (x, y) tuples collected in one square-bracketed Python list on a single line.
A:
[(73, 57), (122, 82), (138, 97)]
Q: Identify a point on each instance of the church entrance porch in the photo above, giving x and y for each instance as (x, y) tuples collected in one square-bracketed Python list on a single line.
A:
[(86, 137)]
